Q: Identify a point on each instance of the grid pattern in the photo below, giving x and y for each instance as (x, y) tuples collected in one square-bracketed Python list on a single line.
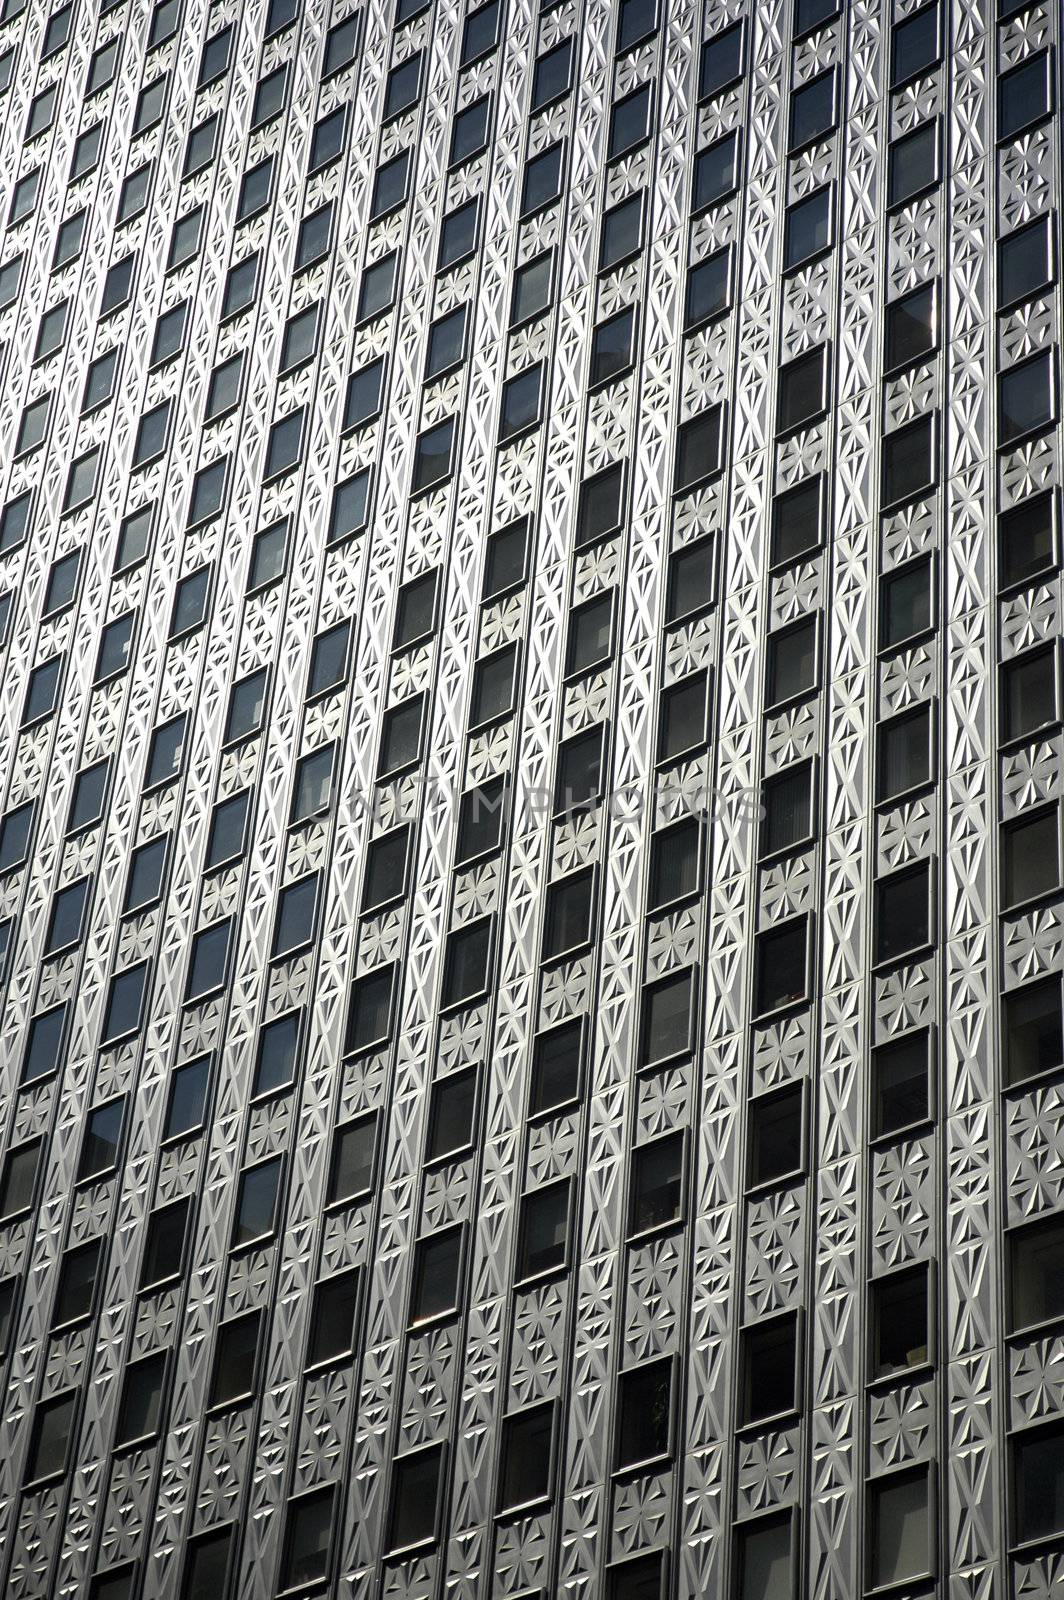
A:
[(531, 929)]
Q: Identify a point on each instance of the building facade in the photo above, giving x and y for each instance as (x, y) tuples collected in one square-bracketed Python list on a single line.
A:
[(531, 926)]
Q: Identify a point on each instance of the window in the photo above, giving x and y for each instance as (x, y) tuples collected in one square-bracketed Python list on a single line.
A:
[(209, 962), (526, 1453), (542, 181), (58, 31), (415, 612), (690, 581), (480, 821), (257, 1203), (140, 1412), (236, 1359), (644, 1414), (81, 482), (113, 657), (446, 343), (915, 46), (1027, 398), (275, 1061), (134, 196), (186, 1106), (657, 1184), (103, 1132), (543, 1243), (41, 113), (1034, 1030), (340, 44), (1036, 1277), (49, 1448), (808, 228), (553, 76), (150, 106), (903, 913), (386, 867), (77, 1284), (716, 173), (432, 455), (190, 602), (775, 1139), (15, 521), (90, 788), (102, 67), (312, 790), (163, 22), (1026, 262), (349, 507), (240, 287), (315, 236), (34, 425), (284, 447), (41, 691), (414, 1505), (629, 123), (453, 1106), (214, 62), (521, 401), (247, 705), (899, 1536), (364, 394), (69, 240), (328, 139), (10, 277), (781, 960), (401, 736), (469, 133), (44, 1046), (813, 110), (151, 434), (802, 391), (668, 1008), (458, 236), (708, 289), (255, 190), (68, 912), (169, 333), (792, 663), (590, 638), (905, 755), (308, 1539), (15, 830), (50, 336), (622, 233), (1029, 693), (268, 555), (765, 1565), (684, 710), (185, 240), (480, 33), (332, 1328), (390, 186), (909, 466), (638, 1579), (900, 1322), (466, 968), (556, 1068), (403, 87), (164, 1246), (199, 152), (912, 165), (147, 868), (1025, 95), (296, 915), (569, 913), (901, 1095), (1028, 539), (328, 662), (125, 1005), (601, 505), (612, 347), (698, 449), (437, 1267), (493, 687), (353, 1160), (722, 61), (579, 772), (1031, 857), (637, 20), (788, 810), (769, 1381), (369, 1018), (279, 15), (912, 327), (86, 151), (905, 604)]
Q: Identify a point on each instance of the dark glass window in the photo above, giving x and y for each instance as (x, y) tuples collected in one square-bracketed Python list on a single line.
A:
[(900, 1528), (622, 232), (255, 190), (353, 1160), (214, 62), (690, 580), (905, 604), (788, 804), (315, 236), (247, 706), (451, 1115), (675, 858), (225, 388), (328, 139), (257, 1202), (349, 507), (278, 1053), (900, 1312), (401, 736), (432, 455), (241, 286), (308, 1539), (390, 186), (915, 46), (466, 969), (90, 788), (77, 1284), (458, 236), (19, 1179), (656, 1195), (1028, 538), (722, 61), (236, 1357), (521, 402), (480, 821), (403, 87), (684, 709), (68, 914), (377, 293), (469, 131), (147, 867), (268, 555), (909, 466), (792, 663), (590, 637), (708, 289), (414, 1506), (208, 492), (114, 647), (912, 164), (1025, 95), (186, 1106), (190, 602), (15, 521), (296, 913), (1036, 1279), (164, 1246), (415, 612), (782, 966), (570, 908), (369, 1019), (1030, 857), (526, 1458), (579, 771), (902, 913), (15, 831), (638, 1579), (1029, 693), (543, 1244), (1027, 398), (437, 1265), (644, 1414), (140, 1412), (698, 449), (151, 434), (637, 20), (775, 1136), (1026, 262), (905, 754), (133, 539), (533, 288), (601, 505), (332, 1329), (480, 33), (716, 172), (49, 1449), (62, 584), (41, 690), (802, 390), (542, 181), (185, 239), (33, 425), (328, 662), (386, 867), (612, 347), (446, 343), (769, 1371), (901, 1091), (912, 327), (553, 75), (504, 566), (667, 1015), (125, 1005), (494, 679), (556, 1068), (629, 122), (1034, 1030), (208, 966), (44, 1046), (284, 446), (199, 152), (763, 1554), (813, 112), (340, 43)]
